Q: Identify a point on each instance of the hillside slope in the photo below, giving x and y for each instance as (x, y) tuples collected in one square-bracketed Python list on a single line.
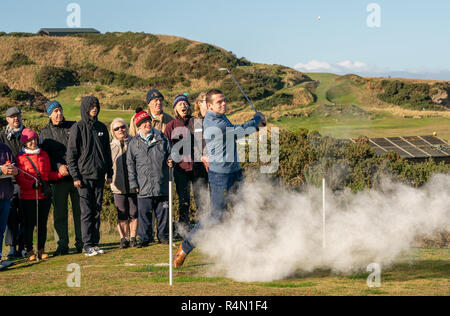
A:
[(120, 67)]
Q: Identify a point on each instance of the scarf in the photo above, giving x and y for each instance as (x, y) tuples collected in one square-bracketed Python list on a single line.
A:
[(10, 132)]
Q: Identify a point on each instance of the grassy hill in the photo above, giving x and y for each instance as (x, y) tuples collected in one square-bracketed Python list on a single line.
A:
[(120, 67)]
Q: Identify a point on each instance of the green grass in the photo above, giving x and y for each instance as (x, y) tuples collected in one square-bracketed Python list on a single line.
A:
[(146, 272), (381, 126)]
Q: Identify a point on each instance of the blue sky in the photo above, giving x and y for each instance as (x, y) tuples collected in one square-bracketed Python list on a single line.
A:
[(413, 38)]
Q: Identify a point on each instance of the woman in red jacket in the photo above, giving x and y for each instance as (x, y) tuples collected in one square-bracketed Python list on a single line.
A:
[(29, 159)]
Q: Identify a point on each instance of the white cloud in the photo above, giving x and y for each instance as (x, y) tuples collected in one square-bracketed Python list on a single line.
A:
[(315, 66), (366, 70), (346, 66)]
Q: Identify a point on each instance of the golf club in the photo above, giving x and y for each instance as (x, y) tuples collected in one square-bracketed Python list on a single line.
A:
[(232, 77), (170, 226)]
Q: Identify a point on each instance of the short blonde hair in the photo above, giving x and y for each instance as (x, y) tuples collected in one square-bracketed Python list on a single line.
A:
[(117, 120)]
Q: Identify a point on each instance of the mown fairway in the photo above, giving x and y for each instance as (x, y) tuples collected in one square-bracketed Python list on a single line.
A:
[(145, 272)]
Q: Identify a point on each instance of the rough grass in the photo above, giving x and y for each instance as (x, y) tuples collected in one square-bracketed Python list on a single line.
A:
[(145, 272)]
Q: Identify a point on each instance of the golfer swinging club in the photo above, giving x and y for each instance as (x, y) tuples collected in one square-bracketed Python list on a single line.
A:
[(225, 172)]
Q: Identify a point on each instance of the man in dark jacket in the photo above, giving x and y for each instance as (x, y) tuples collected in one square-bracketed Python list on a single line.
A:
[(148, 161), (11, 137), (53, 139), (89, 160), (7, 171)]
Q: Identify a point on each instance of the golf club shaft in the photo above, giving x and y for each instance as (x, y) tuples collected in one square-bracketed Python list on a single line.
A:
[(239, 86), (170, 226)]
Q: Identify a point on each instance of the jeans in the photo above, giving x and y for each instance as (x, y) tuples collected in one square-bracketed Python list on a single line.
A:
[(14, 229), (221, 185), (4, 212)]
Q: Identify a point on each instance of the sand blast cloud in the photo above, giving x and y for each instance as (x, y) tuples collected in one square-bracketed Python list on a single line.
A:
[(273, 233)]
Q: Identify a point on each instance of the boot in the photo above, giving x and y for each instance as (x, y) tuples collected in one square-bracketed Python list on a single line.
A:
[(31, 256), (180, 256), (42, 255)]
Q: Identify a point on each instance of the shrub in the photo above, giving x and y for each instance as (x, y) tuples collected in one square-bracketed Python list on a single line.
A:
[(132, 104), (4, 89), (410, 95), (17, 60), (18, 95), (52, 79)]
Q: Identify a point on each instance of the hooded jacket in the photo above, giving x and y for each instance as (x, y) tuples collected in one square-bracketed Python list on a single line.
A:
[(6, 185), (147, 165), (88, 150), (54, 140)]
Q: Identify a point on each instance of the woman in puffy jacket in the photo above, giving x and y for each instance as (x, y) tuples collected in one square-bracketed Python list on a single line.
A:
[(29, 159), (125, 198)]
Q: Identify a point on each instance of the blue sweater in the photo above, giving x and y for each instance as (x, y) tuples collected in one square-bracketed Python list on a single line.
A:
[(221, 135)]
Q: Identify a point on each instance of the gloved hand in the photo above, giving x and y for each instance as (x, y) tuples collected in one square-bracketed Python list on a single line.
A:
[(36, 185)]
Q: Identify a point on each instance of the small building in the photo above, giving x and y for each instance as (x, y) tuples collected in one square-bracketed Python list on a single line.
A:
[(66, 31), (413, 148)]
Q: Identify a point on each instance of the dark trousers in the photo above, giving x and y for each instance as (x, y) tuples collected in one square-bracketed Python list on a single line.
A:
[(183, 180), (91, 197), (4, 212), (14, 229), (61, 193), (147, 206), (221, 186), (28, 209)]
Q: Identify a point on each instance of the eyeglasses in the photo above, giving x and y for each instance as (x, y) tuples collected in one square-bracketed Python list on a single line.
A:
[(120, 127)]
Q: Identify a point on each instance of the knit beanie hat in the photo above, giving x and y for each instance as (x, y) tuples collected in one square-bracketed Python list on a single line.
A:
[(27, 135), (142, 117), (154, 94), (50, 106), (181, 97)]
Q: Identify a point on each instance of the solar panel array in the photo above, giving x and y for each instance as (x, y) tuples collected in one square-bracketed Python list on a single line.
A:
[(412, 146)]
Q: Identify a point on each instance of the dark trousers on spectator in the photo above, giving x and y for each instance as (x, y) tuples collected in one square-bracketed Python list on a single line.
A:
[(146, 207), (28, 209), (14, 229), (4, 212), (183, 180), (91, 197), (61, 193)]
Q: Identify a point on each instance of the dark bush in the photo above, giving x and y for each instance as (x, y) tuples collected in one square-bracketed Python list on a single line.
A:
[(18, 95), (410, 95), (17, 60), (132, 104), (4, 89), (52, 79)]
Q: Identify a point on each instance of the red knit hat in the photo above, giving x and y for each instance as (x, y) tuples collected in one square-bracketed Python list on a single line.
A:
[(142, 117), (27, 135)]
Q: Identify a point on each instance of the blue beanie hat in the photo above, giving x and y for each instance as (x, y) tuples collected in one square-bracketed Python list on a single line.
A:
[(50, 106), (154, 94), (181, 97)]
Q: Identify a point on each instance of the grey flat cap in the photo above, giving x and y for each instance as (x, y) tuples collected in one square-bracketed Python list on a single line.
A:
[(13, 111)]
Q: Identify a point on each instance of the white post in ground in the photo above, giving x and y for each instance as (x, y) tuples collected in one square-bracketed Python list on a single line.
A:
[(170, 227), (323, 214)]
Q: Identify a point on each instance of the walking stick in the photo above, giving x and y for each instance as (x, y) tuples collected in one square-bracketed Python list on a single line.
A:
[(37, 207), (170, 227)]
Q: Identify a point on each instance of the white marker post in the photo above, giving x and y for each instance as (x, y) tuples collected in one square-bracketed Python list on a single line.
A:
[(170, 227), (323, 214)]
